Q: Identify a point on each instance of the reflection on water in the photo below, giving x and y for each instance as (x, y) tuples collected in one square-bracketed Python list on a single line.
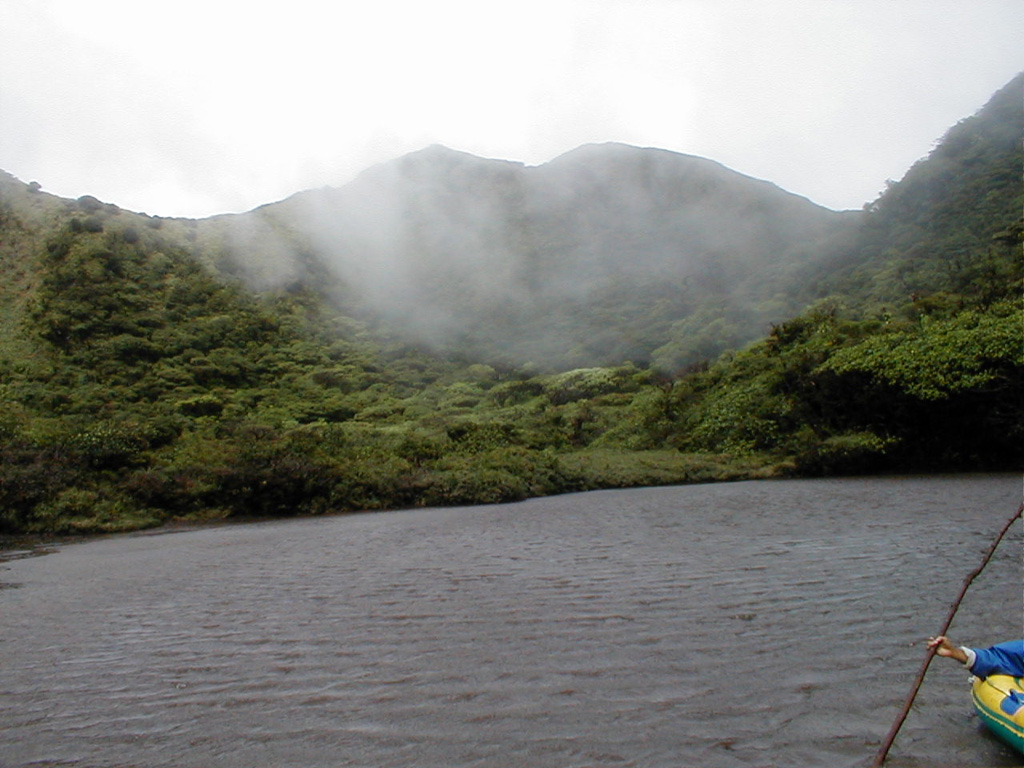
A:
[(747, 624)]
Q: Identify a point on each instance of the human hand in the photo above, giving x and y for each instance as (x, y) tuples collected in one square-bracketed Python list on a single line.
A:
[(943, 647)]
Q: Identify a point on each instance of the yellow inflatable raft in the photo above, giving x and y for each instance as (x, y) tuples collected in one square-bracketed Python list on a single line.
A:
[(999, 700)]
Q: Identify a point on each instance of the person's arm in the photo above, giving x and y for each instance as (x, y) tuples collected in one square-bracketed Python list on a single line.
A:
[(1002, 659), (943, 647)]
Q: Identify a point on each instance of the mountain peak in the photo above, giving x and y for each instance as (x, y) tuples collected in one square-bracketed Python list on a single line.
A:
[(438, 151)]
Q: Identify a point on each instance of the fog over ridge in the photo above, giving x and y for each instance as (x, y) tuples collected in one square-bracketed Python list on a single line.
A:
[(594, 257)]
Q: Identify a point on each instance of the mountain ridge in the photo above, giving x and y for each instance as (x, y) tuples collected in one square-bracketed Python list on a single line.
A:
[(605, 254), (442, 241), (450, 245)]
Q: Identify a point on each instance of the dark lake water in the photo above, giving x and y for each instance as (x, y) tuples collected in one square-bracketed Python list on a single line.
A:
[(769, 623)]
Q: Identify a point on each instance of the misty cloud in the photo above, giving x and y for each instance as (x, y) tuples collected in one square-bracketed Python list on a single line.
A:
[(574, 260)]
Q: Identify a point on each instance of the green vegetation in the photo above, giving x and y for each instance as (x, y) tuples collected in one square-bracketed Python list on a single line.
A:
[(836, 392), (157, 391), (140, 383)]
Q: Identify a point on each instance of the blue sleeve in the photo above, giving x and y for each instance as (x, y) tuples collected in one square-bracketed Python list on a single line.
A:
[(1002, 659)]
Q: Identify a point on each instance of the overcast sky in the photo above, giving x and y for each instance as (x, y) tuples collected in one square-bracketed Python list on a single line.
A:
[(198, 107)]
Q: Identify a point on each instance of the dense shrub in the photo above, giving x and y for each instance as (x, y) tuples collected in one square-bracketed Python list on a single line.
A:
[(30, 475), (108, 446), (847, 454)]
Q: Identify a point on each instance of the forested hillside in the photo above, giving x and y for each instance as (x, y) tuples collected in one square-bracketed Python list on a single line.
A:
[(155, 369), (912, 357)]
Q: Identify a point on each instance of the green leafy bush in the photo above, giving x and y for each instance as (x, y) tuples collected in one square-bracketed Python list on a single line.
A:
[(939, 358), (849, 453)]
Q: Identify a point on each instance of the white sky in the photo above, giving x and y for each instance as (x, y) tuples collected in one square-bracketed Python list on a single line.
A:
[(198, 107)]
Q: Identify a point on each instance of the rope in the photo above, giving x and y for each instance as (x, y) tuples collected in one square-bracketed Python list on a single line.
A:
[(887, 745)]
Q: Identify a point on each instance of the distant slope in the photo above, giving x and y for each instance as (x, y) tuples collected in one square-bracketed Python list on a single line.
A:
[(915, 361), (947, 222), (606, 254)]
